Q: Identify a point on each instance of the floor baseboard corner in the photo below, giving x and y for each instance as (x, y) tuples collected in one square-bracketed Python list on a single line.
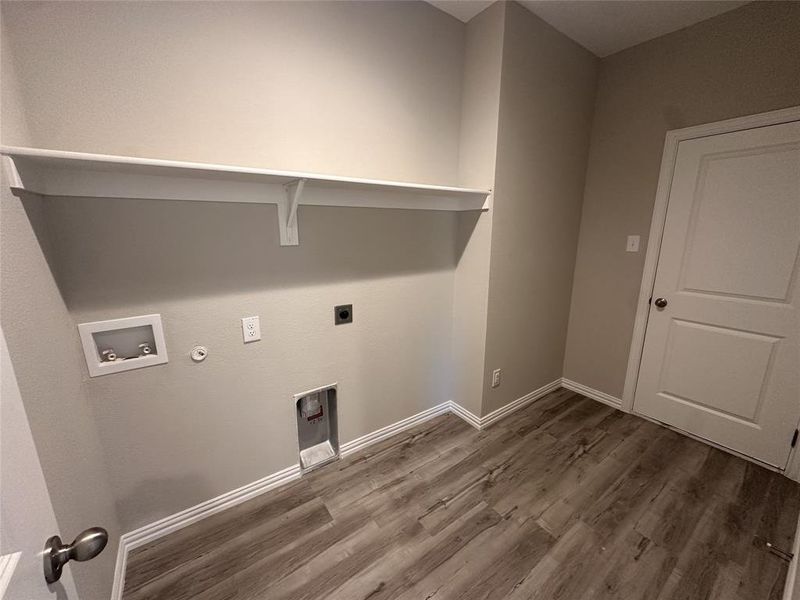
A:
[(519, 403), (465, 414), (591, 393), (505, 410)]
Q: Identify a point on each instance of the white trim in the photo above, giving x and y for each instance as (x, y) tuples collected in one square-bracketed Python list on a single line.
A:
[(65, 159), (60, 173), (148, 533), (791, 573), (80, 174), (483, 422), (390, 430), (91, 352), (465, 414), (119, 569), (153, 531), (519, 403), (673, 138), (8, 562), (591, 393)]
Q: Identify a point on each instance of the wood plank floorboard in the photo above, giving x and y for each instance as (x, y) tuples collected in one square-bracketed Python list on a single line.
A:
[(566, 499)]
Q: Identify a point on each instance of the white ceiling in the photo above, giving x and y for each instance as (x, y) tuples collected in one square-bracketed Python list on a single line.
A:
[(463, 10), (607, 26)]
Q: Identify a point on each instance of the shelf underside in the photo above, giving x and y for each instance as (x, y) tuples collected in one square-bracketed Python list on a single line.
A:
[(64, 174)]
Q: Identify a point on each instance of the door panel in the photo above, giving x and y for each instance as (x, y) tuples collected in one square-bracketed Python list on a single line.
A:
[(721, 359), (26, 513), (739, 371), (732, 237)]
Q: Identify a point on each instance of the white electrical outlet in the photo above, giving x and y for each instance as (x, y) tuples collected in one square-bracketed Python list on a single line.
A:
[(251, 329), (632, 244), (496, 377)]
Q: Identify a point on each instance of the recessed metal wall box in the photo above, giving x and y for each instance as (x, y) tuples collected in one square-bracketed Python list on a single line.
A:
[(317, 427), (123, 344)]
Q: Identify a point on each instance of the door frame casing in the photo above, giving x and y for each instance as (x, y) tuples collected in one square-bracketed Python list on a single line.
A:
[(670, 154)]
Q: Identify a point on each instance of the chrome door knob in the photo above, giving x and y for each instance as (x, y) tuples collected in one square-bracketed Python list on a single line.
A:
[(660, 302), (86, 546)]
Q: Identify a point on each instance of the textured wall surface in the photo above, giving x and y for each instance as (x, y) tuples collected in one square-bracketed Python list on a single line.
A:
[(546, 104), (366, 89), (361, 89), (742, 62), (480, 111), (181, 433)]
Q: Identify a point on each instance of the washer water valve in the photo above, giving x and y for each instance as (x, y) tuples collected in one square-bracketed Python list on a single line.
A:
[(199, 353)]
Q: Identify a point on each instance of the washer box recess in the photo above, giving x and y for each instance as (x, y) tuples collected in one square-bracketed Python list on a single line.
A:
[(123, 344)]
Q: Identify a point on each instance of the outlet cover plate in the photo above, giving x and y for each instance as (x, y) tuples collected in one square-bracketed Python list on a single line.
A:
[(343, 314), (496, 376), (251, 329)]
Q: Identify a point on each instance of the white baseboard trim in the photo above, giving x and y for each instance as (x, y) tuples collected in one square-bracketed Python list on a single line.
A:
[(390, 430), (465, 414), (483, 422), (591, 393), (148, 533), (144, 535), (519, 403)]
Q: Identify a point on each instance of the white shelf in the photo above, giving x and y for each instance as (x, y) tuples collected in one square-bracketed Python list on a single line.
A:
[(77, 174)]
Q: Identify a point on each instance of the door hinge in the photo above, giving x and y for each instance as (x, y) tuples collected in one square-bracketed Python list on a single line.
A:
[(794, 438)]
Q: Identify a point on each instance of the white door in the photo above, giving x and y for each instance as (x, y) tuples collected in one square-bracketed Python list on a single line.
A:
[(26, 514), (721, 357)]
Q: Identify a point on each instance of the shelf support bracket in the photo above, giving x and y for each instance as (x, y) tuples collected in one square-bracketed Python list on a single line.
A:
[(287, 212), (11, 173)]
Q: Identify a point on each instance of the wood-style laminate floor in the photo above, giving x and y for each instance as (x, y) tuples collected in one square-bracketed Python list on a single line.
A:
[(565, 499)]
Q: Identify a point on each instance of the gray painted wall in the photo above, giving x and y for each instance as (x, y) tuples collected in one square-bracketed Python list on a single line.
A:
[(181, 433), (366, 89), (546, 103), (480, 111), (363, 89), (389, 89), (742, 62)]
